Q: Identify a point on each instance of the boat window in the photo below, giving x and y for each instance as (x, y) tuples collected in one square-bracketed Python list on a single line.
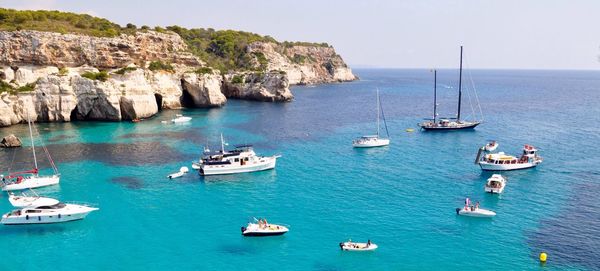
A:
[(246, 159), (55, 206), (33, 211), (237, 159)]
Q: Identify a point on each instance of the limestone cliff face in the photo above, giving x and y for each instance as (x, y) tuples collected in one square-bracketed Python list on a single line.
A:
[(304, 64), (41, 76), (269, 87), (67, 50)]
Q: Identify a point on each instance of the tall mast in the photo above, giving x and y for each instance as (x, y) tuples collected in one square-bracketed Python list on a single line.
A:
[(377, 112), (31, 136), (459, 85), (434, 95), (222, 144)]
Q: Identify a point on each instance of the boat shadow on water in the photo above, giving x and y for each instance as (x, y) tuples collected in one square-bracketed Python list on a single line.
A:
[(264, 176), (36, 229)]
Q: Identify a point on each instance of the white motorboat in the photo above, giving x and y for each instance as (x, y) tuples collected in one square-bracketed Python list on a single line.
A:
[(263, 228), (182, 171), (180, 119), (495, 184), (242, 159), (34, 200), (31, 178), (501, 161), (451, 124), (353, 246), (57, 213), (370, 141), (491, 146), (475, 212)]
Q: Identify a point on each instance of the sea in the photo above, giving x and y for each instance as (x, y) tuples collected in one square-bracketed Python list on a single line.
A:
[(401, 197)]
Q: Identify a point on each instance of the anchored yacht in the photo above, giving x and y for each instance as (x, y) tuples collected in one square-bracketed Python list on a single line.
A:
[(57, 213), (369, 141), (239, 160), (501, 161)]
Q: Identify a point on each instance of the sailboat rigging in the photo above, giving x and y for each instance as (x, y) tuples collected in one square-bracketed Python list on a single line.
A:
[(446, 124), (374, 141)]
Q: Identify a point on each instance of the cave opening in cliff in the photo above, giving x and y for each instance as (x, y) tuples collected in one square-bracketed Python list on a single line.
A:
[(186, 98), (74, 114), (159, 100)]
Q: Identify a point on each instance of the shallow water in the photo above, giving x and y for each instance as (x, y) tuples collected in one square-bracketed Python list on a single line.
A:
[(402, 197)]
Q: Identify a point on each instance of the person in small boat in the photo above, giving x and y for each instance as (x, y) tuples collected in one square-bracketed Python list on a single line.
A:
[(477, 205), (369, 243)]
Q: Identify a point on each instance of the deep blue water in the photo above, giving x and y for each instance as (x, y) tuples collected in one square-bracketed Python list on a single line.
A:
[(402, 197)]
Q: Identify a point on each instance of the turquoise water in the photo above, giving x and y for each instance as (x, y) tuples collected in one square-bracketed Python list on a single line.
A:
[(402, 197)]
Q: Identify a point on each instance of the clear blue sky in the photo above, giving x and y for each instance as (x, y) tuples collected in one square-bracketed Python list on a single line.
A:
[(538, 34)]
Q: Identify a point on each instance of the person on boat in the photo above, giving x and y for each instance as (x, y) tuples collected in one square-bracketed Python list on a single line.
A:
[(369, 243), (477, 205)]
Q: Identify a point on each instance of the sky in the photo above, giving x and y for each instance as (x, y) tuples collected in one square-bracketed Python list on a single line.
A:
[(502, 34)]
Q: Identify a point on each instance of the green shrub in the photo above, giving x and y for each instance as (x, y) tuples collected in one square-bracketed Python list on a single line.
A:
[(63, 71), (160, 66), (5, 87), (26, 88), (262, 60), (237, 79), (204, 70), (299, 59), (125, 70), (100, 76)]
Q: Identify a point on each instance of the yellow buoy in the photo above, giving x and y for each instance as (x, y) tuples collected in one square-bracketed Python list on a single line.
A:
[(410, 130), (543, 257)]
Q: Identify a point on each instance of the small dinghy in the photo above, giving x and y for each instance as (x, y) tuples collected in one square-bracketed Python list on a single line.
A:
[(474, 210), (352, 246), (182, 171), (495, 184), (491, 146), (263, 228), (180, 119)]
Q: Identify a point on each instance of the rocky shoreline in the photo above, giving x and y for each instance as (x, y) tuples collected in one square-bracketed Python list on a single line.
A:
[(65, 77)]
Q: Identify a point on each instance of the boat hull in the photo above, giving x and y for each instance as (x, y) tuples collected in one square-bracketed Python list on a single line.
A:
[(361, 247), (266, 164), (450, 128), (494, 190), (477, 213), (32, 182), (45, 218), (379, 143), (505, 167), (263, 234)]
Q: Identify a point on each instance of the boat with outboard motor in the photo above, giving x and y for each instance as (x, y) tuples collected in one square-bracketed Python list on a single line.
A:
[(261, 227), (31, 178), (353, 246), (495, 184), (182, 171), (241, 159), (180, 119), (474, 210), (448, 124), (491, 146), (369, 141), (46, 214), (25, 200), (501, 161)]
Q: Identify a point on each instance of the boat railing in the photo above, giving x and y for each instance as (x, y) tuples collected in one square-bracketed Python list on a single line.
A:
[(88, 204)]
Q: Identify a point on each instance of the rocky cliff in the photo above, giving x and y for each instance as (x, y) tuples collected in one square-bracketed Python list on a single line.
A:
[(63, 77)]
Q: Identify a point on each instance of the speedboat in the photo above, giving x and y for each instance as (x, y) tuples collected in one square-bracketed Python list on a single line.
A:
[(353, 246), (370, 141), (501, 161), (180, 118), (495, 184), (34, 200), (491, 146), (263, 228), (32, 181), (45, 214), (239, 160), (181, 172), (475, 212)]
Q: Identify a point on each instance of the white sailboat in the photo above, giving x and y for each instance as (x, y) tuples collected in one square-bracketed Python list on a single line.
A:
[(30, 178), (369, 141)]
